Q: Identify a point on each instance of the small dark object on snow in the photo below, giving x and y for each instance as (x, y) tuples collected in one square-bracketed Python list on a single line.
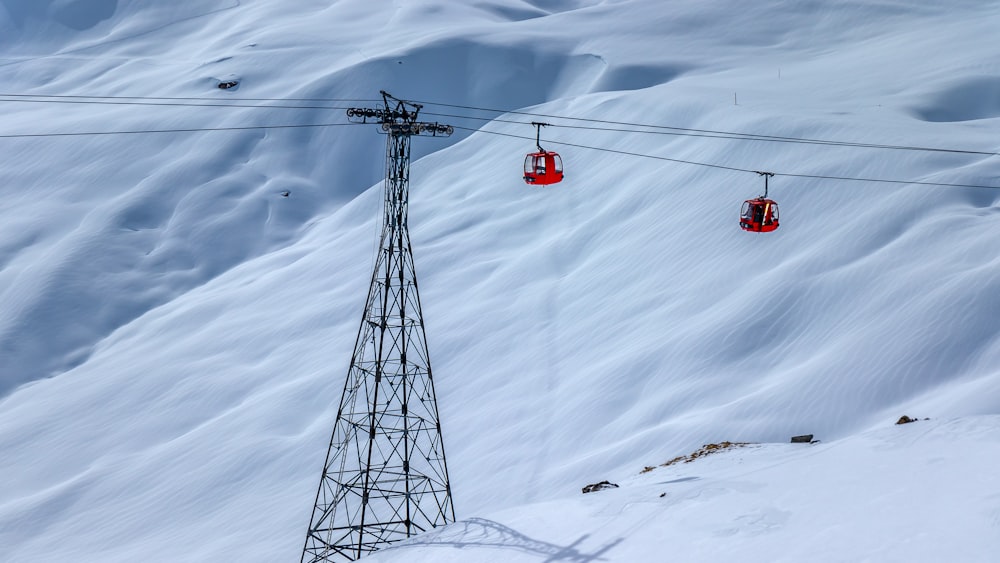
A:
[(663, 495), (286, 193), (594, 487), (804, 439), (228, 84), (905, 420)]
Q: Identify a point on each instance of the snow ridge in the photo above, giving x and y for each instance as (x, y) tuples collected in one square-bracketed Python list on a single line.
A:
[(175, 329)]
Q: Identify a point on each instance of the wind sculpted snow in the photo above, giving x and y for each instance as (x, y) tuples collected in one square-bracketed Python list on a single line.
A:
[(177, 310)]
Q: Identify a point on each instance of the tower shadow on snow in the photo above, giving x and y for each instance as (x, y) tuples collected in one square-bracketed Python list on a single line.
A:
[(480, 532)]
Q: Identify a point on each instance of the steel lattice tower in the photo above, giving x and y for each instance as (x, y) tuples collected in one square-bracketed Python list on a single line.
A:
[(385, 477)]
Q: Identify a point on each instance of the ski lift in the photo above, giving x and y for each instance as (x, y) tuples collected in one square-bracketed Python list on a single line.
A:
[(542, 167), (760, 214)]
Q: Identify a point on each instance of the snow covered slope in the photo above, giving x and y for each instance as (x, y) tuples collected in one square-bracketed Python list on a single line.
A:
[(920, 492), (174, 332)]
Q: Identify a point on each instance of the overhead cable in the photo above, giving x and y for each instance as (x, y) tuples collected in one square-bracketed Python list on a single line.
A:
[(736, 169), (617, 126)]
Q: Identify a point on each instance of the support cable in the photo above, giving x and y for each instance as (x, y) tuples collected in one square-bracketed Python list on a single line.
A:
[(700, 132), (656, 129), (737, 169), (183, 130), (620, 126)]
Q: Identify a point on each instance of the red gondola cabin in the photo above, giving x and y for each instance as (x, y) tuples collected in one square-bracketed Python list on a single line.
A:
[(759, 215), (543, 168)]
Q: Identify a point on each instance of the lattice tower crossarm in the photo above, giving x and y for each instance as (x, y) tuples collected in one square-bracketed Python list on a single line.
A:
[(385, 477)]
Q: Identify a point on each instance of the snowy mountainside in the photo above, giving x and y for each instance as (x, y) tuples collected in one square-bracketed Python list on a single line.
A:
[(174, 332), (918, 492)]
